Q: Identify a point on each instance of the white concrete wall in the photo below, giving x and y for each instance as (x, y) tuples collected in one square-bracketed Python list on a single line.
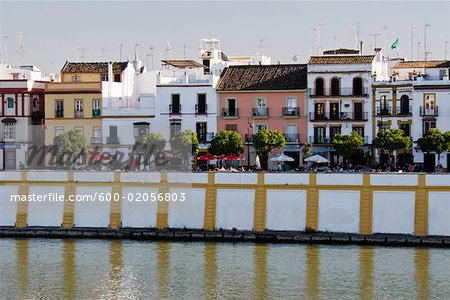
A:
[(286, 210), (437, 180), (235, 209), (438, 213), (187, 177), (339, 179), (273, 178), (47, 176), (339, 211), (140, 177), (92, 213), (190, 212), (393, 212), (94, 176), (8, 208), (236, 178), (394, 179), (139, 214), (45, 213)]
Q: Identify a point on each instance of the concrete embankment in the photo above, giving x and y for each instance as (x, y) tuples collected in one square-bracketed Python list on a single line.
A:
[(291, 237)]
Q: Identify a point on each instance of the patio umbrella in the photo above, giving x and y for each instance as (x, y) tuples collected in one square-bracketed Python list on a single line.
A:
[(281, 157), (317, 159), (206, 157), (231, 157), (100, 156), (257, 162)]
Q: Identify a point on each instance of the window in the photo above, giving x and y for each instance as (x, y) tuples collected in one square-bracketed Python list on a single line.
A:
[(334, 111), (319, 111), (359, 130), (201, 107), (231, 110), (261, 107), (104, 77), (291, 133), (96, 107), (175, 107), (201, 129), (231, 127), (9, 131), (59, 109), (78, 108), (10, 102), (319, 85), (117, 78), (175, 127), (80, 129), (384, 126), (113, 131), (319, 135), (333, 131), (406, 129), (140, 129), (404, 105), (427, 125), (335, 87), (35, 104), (96, 135), (59, 130), (259, 127), (357, 86), (261, 102), (112, 138)]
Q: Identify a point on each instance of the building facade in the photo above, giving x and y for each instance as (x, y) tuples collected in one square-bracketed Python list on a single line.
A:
[(258, 97)]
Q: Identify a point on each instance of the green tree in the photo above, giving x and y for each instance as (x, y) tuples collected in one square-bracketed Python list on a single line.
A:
[(434, 141), (307, 149), (391, 140), (226, 142), (349, 145), (265, 141), (150, 144), (70, 145), (184, 144)]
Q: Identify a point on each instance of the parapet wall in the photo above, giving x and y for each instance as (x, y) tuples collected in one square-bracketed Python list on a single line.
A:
[(416, 204)]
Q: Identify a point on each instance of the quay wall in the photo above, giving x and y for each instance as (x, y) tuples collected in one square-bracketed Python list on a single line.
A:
[(410, 204)]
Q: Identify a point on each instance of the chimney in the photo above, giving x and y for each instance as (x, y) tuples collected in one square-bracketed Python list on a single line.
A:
[(361, 47)]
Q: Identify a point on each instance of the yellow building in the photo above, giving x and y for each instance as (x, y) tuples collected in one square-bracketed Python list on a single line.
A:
[(76, 101)]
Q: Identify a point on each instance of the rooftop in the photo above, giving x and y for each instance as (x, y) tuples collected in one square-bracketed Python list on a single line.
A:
[(183, 64), (263, 77), (341, 59), (422, 64), (92, 67), (341, 51)]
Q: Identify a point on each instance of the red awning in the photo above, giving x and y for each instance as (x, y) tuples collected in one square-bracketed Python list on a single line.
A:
[(9, 120)]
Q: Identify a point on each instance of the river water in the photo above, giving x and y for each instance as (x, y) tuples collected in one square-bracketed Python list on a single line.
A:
[(124, 269)]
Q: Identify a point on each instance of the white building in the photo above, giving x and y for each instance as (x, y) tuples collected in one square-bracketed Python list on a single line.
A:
[(415, 99), (340, 100)]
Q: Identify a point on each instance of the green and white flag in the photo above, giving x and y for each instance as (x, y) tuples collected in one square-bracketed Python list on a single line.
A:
[(395, 44)]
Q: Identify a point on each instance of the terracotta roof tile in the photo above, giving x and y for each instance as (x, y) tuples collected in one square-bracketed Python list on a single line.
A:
[(93, 67), (340, 51), (263, 77), (338, 59), (421, 64), (183, 64)]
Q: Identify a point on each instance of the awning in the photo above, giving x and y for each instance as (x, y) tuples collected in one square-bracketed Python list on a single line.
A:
[(9, 120)]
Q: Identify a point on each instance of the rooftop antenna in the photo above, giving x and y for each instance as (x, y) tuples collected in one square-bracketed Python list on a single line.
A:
[(121, 48), (425, 41), (357, 32), (21, 50), (295, 58), (5, 48), (136, 56), (445, 53), (418, 50), (375, 37), (385, 28), (151, 48), (261, 42), (318, 36), (167, 51), (81, 54), (185, 47), (413, 28)]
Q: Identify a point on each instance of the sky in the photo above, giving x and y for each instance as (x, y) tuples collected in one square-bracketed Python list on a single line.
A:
[(53, 31)]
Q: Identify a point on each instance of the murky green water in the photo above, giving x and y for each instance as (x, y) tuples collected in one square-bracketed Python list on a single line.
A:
[(104, 269)]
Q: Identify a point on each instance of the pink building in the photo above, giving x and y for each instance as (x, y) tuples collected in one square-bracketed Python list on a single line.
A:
[(252, 98)]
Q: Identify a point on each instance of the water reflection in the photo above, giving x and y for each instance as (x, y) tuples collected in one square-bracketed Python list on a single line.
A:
[(135, 269)]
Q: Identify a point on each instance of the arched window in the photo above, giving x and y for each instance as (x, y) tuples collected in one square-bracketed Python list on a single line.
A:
[(319, 87), (335, 87), (404, 105), (357, 86)]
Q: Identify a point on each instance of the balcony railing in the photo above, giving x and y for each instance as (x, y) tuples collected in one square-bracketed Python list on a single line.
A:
[(112, 140), (291, 112), (174, 109), (424, 112), (319, 140), (78, 113), (404, 111), (384, 111), (59, 113), (342, 116), (206, 137), (260, 112), (230, 113), (96, 112), (292, 137), (342, 92), (201, 109), (95, 140)]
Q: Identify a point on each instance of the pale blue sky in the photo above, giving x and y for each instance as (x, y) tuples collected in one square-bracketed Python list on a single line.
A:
[(54, 30)]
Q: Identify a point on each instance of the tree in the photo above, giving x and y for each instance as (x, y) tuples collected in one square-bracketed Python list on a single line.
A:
[(226, 142), (71, 144), (184, 144), (348, 146), (307, 149), (265, 141), (391, 140), (434, 141), (150, 144)]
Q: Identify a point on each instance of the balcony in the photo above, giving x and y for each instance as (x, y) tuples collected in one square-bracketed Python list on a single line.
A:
[(112, 140), (78, 114), (206, 137), (96, 112), (175, 109), (342, 116), (424, 112), (384, 111), (59, 113), (319, 140), (96, 140), (293, 112), (230, 113), (343, 92), (404, 111), (201, 109), (260, 112), (292, 137)]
